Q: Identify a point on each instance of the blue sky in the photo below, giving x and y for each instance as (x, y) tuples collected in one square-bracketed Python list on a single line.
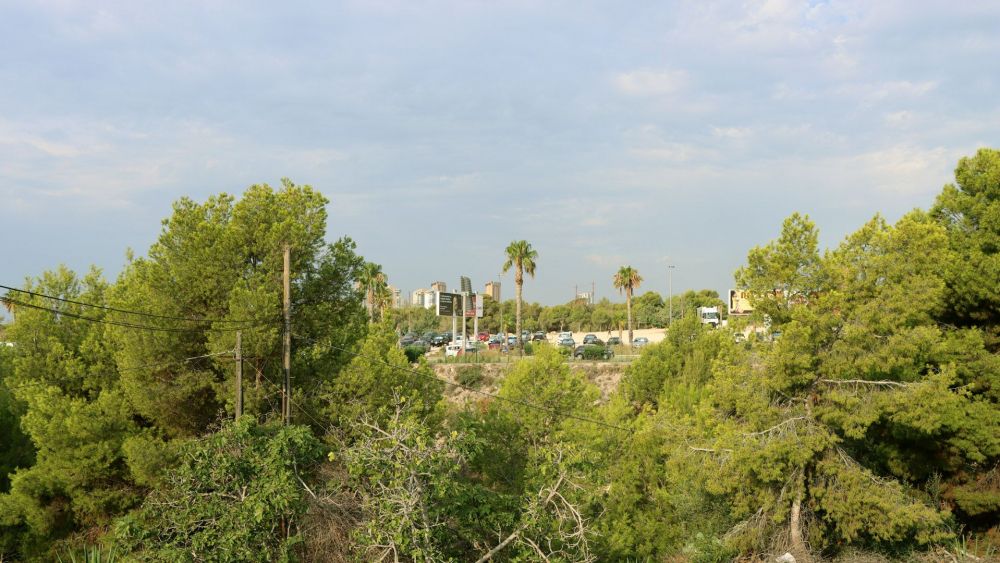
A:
[(604, 133)]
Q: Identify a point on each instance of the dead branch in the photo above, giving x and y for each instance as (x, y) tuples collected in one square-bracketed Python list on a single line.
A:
[(864, 382), (777, 426)]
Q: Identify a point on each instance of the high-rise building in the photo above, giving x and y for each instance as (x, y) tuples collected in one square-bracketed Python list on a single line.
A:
[(493, 290), (439, 286), (466, 284), (417, 297), (397, 301)]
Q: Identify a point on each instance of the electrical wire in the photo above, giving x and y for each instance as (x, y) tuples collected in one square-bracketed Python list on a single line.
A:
[(127, 311), (177, 362), (115, 323), (525, 404)]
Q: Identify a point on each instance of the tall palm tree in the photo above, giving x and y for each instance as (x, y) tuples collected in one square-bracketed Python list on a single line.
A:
[(628, 279), (521, 257), (373, 282)]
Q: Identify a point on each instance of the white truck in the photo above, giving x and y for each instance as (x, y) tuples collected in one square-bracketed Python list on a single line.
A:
[(709, 316)]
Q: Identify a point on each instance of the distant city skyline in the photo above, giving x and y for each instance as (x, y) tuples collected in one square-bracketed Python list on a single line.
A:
[(646, 134)]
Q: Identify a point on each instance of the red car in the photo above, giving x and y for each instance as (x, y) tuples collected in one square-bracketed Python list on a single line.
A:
[(484, 336)]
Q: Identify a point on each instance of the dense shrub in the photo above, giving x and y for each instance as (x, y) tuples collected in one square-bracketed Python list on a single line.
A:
[(470, 376), (413, 353)]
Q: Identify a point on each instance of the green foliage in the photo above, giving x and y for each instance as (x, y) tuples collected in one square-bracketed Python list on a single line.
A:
[(414, 353), (861, 401), (676, 370), (405, 477), (65, 386), (470, 376), (786, 272), (549, 382), (16, 449), (970, 211), (222, 259), (377, 377), (225, 500)]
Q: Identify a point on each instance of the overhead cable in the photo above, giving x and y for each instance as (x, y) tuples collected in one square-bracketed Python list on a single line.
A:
[(127, 311)]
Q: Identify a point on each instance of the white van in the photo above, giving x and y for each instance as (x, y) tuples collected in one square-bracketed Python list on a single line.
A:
[(452, 350)]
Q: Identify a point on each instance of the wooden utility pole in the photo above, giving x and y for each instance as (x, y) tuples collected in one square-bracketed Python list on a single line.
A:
[(239, 374), (286, 392)]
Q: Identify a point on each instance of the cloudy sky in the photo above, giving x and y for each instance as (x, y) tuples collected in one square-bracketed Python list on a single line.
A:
[(604, 133)]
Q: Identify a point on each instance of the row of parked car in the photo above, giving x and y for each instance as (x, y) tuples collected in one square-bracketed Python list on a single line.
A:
[(566, 339), (592, 347)]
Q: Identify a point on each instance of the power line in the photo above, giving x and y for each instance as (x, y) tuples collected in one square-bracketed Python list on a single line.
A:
[(525, 404), (111, 322), (175, 362), (127, 311)]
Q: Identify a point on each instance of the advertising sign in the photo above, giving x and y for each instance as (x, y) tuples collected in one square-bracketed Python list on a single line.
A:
[(739, 302), (473, 306), (448, 304)]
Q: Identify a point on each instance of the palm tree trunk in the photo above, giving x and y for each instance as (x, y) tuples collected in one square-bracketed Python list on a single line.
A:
[(628, 307), (519, 282)]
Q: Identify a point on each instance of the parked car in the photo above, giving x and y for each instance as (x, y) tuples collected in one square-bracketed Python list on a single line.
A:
[(593, 352), (614, 341), (407, 340), (590, 338), (484, 336), (640, 342), (452, 350), (565, 335), (439, 340), (567, 341), (538, 337), (512, 340)]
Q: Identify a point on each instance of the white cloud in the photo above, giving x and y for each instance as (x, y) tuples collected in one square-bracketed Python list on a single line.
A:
[(898, 118), (909, 170), (888, 90), (607, 261), (651, 82), (732, 132)]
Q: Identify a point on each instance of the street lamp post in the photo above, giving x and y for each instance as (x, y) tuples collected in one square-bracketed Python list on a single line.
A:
[(503, 333)]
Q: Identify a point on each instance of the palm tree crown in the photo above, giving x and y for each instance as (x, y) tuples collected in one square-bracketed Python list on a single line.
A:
[(373, 282)]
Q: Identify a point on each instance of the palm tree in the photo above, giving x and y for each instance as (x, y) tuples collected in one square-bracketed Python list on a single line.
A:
[(628, 279), (521, 257), (372, 281)]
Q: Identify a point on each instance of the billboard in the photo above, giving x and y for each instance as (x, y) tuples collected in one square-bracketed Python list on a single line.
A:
[(739, 302), (474, 306), (448, 304)]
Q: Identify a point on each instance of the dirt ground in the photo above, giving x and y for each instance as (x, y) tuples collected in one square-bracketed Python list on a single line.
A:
[(605, 375)]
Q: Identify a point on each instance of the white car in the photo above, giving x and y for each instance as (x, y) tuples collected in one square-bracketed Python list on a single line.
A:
[(563, 335), (452, 350), (640, 342)]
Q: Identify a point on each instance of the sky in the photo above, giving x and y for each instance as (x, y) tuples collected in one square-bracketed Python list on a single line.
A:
[(604, 133)]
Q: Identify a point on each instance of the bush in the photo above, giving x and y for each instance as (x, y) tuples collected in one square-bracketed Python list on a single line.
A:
[(413, 353), (470, 376), (223, 501), (529, 349)]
